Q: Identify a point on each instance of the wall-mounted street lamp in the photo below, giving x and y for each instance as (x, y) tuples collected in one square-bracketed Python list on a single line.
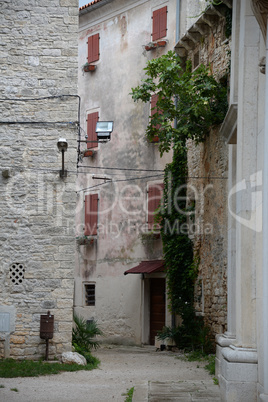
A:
[(62, 145), (103, 130)]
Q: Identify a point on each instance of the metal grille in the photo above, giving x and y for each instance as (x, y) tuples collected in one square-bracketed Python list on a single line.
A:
[(90, 294), (16, 273)]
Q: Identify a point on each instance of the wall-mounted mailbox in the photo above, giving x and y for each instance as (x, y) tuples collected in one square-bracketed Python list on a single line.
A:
[(46, 326)]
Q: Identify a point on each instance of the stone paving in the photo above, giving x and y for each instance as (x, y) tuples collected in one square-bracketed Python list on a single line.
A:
[(156, 377), (184, 391)]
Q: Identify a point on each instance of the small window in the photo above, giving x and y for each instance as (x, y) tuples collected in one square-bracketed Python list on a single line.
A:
[(90, 294), (92, 139), (155, 192), (91, 214), (93, 48), (159, 23)]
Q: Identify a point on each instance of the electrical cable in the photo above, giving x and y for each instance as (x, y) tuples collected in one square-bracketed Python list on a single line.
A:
[(120, 180), (123, 169), (46, 170)]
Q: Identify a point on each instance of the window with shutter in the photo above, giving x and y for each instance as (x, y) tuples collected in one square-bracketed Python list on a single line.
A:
[(93, 48), (155, 192), (91, 214), (159, 23), (92, 119)]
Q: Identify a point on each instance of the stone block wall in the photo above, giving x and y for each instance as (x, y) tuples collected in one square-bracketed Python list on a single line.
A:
[(208, 172), (208, 162), (38, 105)]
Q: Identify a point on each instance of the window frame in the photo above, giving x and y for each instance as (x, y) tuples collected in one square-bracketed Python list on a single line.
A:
[(159, 23), (91, 120), (154, 203), (93, 48), (153, 110), (85, 293), (91, 214)]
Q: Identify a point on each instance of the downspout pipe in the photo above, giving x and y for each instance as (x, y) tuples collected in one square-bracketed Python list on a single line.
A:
[(264, 397), (178, 13), (177, 38)]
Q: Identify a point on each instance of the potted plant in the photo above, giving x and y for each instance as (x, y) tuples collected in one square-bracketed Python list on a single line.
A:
[(85, 240), (161, 43), (88, 152), (88, 67), (150, 46)]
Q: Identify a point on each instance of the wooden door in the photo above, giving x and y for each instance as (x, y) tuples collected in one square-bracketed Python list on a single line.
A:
[(157, 306)]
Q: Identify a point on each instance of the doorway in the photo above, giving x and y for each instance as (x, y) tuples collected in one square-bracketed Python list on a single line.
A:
[(157, 306)]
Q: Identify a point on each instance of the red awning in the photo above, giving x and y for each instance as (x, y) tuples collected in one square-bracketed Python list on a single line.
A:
[(147, 267)]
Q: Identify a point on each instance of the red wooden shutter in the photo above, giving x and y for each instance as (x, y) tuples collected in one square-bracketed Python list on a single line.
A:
[(155, 192), (92, 119), (162, 22), (93, 48), (91, 214), (150, 207), (155, 34), (159, 23)]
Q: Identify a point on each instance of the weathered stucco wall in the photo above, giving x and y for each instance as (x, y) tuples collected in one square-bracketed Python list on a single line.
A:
[(124, 28), (208, 173), (38, 66)]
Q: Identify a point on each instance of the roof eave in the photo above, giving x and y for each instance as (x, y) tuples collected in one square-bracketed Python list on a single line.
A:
[(91, 7)]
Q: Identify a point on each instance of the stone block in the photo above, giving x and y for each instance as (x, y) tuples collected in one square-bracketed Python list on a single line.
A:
[(65, 326), (70, 20), (48, 304), (232, 391), (62, 294), (16, 352), (243, 372), (73, 357)]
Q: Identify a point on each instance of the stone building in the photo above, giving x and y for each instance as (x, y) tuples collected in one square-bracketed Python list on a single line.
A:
[(115, 40), (124, 175), (38, 105)]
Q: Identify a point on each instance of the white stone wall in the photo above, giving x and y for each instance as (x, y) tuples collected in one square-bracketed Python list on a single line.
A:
[(38, 95), (125, 28)]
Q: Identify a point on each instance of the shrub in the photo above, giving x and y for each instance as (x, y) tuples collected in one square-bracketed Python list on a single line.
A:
[(84, 336)]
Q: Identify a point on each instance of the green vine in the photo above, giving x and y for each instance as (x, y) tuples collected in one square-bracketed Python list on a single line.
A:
[(196, 102), (195, 99), (228, 22)]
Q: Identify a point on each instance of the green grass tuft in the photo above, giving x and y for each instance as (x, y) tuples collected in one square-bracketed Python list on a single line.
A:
[(10, 368), (199, 356), (129, 394), (210, 367)]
